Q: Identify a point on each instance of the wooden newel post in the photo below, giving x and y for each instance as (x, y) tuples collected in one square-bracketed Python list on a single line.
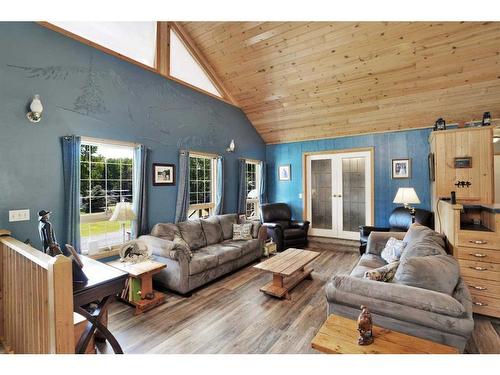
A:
[(60, 305)]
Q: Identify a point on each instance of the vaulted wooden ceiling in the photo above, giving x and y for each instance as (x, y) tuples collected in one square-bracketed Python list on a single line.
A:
[(308, 80)]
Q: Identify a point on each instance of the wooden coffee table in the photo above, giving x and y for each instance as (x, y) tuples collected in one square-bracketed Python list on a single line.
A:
[(144, 272), (339, 335), (288, 269)]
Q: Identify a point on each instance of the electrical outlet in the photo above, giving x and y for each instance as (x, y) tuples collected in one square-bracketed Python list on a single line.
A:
[(300, 195), (19, 215)]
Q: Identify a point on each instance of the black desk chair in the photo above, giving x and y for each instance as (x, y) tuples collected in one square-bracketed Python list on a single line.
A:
[(399, 221), (285, 232)]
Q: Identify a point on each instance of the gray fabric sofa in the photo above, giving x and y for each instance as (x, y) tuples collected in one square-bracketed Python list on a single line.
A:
[(410, 303), (201, 250)]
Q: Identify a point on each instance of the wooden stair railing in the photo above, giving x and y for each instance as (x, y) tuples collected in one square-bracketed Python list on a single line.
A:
[(36, 300)]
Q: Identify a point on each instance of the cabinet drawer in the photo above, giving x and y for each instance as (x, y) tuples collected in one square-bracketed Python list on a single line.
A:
[(480, 287), (475, 254), (480, 270), (485, 305), (480, 240)]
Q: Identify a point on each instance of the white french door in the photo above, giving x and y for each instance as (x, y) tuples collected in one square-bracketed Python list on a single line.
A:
[(339, 193)]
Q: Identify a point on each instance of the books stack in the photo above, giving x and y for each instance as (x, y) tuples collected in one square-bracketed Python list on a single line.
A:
[(132, 290)]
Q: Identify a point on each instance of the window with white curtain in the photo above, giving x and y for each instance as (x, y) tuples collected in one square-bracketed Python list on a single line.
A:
[(252, 180), (106, 172), (136, 40), (202, 177)]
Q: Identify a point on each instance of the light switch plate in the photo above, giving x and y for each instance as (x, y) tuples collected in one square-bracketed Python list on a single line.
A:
[(300, 195), (19, 215)]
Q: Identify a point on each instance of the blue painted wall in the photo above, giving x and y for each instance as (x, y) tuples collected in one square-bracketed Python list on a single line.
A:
[(406, 144), (90, 93)]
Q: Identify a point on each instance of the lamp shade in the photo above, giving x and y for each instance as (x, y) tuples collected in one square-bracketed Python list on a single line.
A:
[(123, 212), (406, 196), (36, 105)]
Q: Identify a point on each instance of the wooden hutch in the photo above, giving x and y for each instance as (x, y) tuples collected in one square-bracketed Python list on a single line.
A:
[(463, 162)]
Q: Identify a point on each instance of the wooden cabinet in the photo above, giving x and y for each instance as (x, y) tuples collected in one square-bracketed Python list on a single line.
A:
[(474, 143), (477, 248)]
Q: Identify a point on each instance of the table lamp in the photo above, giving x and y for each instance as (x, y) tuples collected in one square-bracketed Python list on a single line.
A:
[(123, 212), (407, 197)]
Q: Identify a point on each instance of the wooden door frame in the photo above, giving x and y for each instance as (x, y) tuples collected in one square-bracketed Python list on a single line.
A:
[(371, 150)]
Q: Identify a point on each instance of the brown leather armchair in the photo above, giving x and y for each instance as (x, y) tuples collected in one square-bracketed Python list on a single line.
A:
[(285, 232)]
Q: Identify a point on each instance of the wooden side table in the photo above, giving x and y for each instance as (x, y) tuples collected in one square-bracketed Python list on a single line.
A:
[(339, 335), (139, 290)]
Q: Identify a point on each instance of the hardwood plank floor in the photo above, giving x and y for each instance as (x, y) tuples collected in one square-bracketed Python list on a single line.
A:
[(231, 315)]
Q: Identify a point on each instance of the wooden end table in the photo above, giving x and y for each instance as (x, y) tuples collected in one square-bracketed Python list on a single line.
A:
[(288, 269), (339, 335), (143, 273)]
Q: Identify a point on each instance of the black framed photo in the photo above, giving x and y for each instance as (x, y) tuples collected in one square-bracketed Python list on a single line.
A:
[(401, 168), (163, 174), (465, 162)]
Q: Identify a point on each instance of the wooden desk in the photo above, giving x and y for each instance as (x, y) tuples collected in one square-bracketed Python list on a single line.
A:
[(339, 335), (104, 284)]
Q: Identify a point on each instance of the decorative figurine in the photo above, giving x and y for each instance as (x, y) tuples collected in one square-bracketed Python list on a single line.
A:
[(365, 327), (440, 124), (47, 234), (486, 119)]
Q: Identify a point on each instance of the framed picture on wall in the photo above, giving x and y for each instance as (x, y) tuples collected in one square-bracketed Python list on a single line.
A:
[(284, 172), (163, 174), (401, 168)]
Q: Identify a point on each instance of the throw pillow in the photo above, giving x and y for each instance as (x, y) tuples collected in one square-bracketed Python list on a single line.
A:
[(393, 249), (385, 273), (212, 230), (434, 272), (255, 226), (242, 231), (226, 222)]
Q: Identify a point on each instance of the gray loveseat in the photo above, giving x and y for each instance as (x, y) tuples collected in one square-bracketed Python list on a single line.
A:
[(427, 298), (201, 250)]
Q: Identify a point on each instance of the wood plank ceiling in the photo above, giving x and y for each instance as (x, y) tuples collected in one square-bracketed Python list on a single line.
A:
[(309, 80)]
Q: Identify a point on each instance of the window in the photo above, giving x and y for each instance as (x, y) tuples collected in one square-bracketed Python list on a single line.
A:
[(253, 189), (105, 179), (186, 68), (202, 171), (136, 40)]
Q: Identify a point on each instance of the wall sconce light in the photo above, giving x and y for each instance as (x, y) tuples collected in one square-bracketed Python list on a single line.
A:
[(231, 146), (36, 110)]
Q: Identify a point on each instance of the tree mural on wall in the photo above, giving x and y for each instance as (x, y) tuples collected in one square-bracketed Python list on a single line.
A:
[(91, 99), (170, 101)]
